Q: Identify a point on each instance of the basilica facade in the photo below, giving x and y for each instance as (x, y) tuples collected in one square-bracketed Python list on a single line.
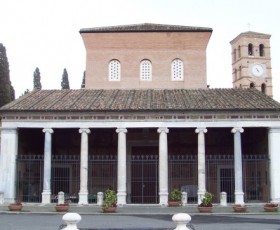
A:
[(147, 122)]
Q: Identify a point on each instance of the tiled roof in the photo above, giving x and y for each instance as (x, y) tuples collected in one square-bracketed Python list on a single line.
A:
[(146, 27), (143, 100)]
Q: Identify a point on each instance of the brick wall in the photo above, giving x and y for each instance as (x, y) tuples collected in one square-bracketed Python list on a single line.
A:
[(161, 48)]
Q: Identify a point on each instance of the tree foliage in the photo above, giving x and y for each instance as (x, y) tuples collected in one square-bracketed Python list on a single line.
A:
[(37, 79), (7, 92), (65, 81)]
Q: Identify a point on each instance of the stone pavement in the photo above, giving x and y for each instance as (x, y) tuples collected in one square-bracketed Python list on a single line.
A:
[(139, 217)]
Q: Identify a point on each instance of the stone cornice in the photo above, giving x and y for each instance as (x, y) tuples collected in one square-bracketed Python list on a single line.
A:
[(212, 116)]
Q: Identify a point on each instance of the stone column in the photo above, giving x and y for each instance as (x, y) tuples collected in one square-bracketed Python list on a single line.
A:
[(163, 166), (8, 155), (83, 194), (46, 194), (121, 193), (238, 178), (201, 164), (273, 149)]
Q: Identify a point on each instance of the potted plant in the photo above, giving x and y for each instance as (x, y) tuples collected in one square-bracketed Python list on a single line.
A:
[(17, 206), (206, 203), (175, 198), (110, 201), (239, 207), (62, 207), (270, 207)]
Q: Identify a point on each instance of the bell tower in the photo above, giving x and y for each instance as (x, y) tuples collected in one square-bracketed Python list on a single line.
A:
[(251, 62)]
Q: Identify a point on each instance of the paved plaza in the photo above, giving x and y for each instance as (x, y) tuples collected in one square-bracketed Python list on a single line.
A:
[(138, 217)]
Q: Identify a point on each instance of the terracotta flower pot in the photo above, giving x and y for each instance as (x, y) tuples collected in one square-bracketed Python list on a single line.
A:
[(109, 209), (173, 203), (239, 208), (204, 209), (270, 207), (15, 207), (61, 207)]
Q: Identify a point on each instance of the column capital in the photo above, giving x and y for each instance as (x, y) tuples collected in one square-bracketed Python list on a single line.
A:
[(200, 129), (84, 130), (163, 129), (237, 129), (121, 130), (8, 130), (48, 130), (274, 130)]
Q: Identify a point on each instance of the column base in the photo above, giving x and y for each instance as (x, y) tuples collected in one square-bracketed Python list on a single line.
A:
[(46, 197), (276, 200), (121, 196), (83, 198), (1, 197), (200, 196), (239, 198), (163, 198)]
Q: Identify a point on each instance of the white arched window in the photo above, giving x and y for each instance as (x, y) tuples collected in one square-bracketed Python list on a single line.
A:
[(177, 70), (146, 70), (114, 70)]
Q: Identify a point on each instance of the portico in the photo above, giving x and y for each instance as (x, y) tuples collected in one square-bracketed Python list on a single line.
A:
[(165, 139)]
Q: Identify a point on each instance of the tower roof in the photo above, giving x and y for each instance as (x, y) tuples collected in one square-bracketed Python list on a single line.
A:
[(250, 34)]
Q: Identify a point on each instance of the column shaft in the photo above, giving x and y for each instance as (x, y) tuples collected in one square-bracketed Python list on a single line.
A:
[(238, 178), (46, 194), (201, 164), (121, 193), (8, 155), (273, 148), (83, 194), (163, 166)]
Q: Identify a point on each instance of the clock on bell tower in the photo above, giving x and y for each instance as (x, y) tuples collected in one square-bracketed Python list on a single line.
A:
[(251, 61)]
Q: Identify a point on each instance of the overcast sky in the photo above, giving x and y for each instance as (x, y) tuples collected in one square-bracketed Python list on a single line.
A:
[(45, 33)]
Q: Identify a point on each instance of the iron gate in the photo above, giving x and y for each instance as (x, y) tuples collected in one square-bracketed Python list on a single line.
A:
[(144, 176), (182, 174), (102, 174), (144, 179)]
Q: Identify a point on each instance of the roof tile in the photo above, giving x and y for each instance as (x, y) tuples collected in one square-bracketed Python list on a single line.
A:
[(143, 100)]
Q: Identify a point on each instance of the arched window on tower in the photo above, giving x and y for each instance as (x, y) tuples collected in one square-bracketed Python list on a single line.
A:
[(250, 50), (261, 48), (235, 74), (177, 70), (252, 85), (240, 71), (234, 54), (145, 70), (114, 70), (239, 52), (263, 88)]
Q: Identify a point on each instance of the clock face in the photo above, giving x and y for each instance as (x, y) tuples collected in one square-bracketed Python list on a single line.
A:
[(257, 70)]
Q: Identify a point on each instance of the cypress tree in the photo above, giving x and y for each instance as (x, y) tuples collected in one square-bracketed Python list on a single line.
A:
[(7, 92), (64, 81), (37, 79), (84, 81)]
